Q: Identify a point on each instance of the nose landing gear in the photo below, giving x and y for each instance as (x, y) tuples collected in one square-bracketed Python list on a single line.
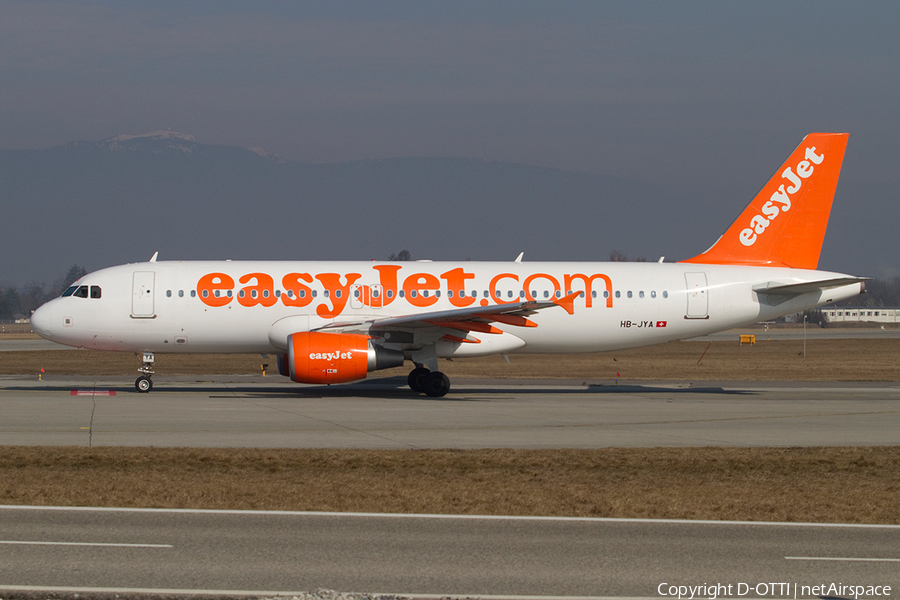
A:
[(144, 384)]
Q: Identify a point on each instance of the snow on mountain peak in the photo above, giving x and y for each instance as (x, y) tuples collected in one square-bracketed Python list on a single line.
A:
[(162, 134)]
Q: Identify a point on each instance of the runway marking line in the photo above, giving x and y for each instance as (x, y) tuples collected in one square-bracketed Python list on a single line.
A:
[(92, 393), (299, 513), (97, 544), (412, 596), (842, 558)]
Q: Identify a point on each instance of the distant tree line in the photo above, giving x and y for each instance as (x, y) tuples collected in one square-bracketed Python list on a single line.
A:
[(19, 303)]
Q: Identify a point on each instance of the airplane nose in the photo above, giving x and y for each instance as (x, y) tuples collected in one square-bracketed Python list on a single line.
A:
[(41, 320)]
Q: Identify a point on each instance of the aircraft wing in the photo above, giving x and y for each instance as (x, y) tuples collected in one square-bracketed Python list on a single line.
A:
[(478, 318)]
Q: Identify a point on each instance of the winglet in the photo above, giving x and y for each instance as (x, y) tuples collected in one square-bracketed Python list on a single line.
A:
[(784, 225), (568, 302)]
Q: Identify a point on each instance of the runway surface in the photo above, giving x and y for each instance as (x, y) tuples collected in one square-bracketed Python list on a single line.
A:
[(414, 555), (251, 411)]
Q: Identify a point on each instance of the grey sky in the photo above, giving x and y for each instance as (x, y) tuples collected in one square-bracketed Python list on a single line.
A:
[(681, 95)]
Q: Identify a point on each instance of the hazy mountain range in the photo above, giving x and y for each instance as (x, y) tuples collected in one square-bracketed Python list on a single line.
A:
[(120, 200)]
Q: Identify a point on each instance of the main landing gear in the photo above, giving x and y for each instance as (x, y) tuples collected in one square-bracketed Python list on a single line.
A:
[(144, 384), (433, 383)]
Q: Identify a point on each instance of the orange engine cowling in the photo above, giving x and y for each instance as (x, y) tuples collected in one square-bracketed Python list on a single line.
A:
[(316, 357)]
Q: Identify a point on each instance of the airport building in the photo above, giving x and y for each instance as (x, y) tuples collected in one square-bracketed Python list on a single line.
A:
[(861, 314)]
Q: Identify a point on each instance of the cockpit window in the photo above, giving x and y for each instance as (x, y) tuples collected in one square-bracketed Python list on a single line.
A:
[(69, 291), (95, 291), (81, 292)]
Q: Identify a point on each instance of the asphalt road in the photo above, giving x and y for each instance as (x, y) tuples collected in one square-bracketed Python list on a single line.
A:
[(384, 413), (402, 554)]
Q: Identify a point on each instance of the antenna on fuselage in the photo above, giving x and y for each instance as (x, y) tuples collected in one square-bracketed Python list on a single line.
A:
[(519, 257), (153, 258)]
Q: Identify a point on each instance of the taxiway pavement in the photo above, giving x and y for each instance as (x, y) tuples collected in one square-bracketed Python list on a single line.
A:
[(251, 411)]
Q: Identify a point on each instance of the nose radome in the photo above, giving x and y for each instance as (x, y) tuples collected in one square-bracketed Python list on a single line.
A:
[(41, 321)]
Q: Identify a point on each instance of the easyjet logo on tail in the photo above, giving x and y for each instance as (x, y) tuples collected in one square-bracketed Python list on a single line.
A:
[(780, 200)]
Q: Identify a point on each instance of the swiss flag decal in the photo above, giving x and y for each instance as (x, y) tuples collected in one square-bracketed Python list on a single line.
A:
[(661, 323)]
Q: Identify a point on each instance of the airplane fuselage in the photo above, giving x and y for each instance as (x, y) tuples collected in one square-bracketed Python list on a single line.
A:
[(236, 306)]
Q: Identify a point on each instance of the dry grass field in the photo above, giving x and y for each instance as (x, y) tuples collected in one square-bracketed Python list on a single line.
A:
[(855, 485), (826, 360)]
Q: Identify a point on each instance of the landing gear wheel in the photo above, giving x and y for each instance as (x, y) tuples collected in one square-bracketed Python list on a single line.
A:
[(436, 384), (143, 384), (416, 379)]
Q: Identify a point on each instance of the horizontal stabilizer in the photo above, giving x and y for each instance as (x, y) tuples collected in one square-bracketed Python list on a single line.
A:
[(795, 289)]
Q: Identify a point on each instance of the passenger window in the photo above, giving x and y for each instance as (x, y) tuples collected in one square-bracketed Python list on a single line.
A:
[(618, 294), (653, 294), (425, 293), (325, 293), (240, 294), (337, 293), (593, 294), (546, 294), (390, 293), (449, 293), (629, 293), (181, 293), (558, 294), (316, 293), (228, 293), (356, 293), (437, 293), (412, 293), (168, 293), (265, 293), (640, 294), (665, 294), (606, 293), (95, 291)]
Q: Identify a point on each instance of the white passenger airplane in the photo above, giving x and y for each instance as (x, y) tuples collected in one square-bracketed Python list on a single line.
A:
[(332, 322)]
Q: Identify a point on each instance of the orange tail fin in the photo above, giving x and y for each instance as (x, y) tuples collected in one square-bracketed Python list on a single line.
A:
[(785, 223)]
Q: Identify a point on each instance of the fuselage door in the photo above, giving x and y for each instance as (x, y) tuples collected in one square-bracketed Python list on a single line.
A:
[(142, 295), (365, 295), (697, 296)]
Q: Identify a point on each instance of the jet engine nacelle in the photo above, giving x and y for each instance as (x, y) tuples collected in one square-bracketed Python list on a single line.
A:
[(316, 357)]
